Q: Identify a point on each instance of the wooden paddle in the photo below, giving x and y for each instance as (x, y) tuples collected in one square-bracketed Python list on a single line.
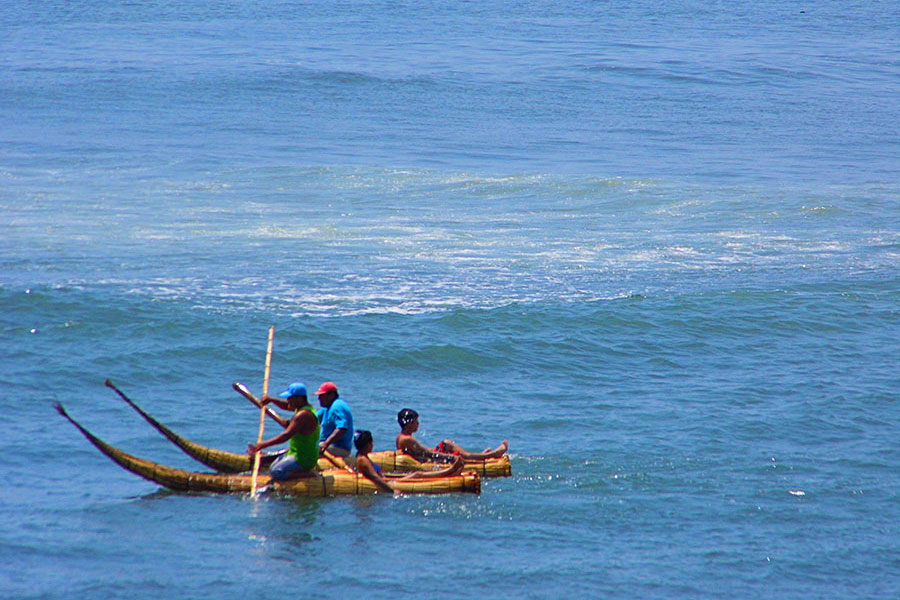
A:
[(262, 411), (242, 389), (339, 464)]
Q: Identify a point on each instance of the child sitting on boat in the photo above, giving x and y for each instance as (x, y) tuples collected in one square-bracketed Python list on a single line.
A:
[(445, 451), (364, 443)]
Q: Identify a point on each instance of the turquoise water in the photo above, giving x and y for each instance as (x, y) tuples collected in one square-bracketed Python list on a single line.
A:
[(657, 247)]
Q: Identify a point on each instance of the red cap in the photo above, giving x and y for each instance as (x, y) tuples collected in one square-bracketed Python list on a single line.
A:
[(326, 387)]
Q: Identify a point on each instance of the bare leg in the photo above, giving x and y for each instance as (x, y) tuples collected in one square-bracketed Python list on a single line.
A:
[(489, 453), (454, 469)]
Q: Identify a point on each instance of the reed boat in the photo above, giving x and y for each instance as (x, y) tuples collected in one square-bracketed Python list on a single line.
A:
[(329, 483), (392, 461), (224, 461)]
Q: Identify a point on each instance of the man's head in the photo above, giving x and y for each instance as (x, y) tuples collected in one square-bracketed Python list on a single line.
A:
[(408, 419), (327, 393), (295, 394)]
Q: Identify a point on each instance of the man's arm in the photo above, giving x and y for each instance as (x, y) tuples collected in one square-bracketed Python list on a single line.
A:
[(335, 435), (279, 402), (302, 422), (282, 404)]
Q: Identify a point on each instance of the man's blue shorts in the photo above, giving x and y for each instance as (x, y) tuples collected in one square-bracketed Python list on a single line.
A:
[(284, 467)]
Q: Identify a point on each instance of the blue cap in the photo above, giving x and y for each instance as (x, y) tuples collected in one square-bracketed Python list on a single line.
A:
[(295, 389)]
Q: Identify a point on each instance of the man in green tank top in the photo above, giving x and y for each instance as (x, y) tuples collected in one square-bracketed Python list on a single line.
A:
[(301, 433)]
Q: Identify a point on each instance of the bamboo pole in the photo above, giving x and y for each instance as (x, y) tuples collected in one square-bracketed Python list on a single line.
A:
[(262, 410)]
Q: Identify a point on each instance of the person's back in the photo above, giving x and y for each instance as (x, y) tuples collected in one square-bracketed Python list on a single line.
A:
[(336, 421), (305, 445)]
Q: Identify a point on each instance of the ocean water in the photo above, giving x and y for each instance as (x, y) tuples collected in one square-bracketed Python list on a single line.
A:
[(656, 246)]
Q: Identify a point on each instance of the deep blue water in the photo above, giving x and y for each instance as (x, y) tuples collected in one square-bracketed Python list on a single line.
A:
[(654, 245)]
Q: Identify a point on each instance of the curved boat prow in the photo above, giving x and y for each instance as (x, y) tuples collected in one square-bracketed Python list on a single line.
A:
[(220, 460), (175, 479)]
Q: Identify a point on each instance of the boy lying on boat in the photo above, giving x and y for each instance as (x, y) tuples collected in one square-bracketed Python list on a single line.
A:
[(445, 451), (364, 443)]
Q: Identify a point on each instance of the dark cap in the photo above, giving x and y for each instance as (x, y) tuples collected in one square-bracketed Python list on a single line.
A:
[(361, 438), (406, 416)]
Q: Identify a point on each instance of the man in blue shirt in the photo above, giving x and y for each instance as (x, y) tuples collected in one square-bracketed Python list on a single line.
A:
[(336, 420)]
